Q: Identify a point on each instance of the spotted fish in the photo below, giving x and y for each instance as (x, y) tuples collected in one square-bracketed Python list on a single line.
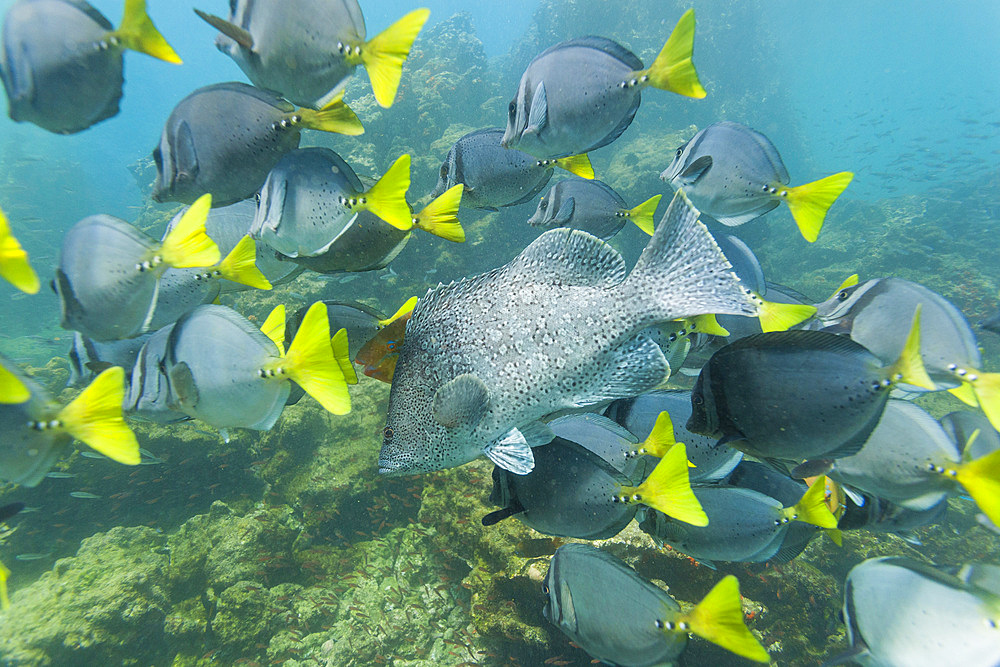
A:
[(482, 363)]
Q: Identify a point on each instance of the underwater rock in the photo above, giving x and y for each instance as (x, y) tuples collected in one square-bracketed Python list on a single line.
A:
[(106, 603)]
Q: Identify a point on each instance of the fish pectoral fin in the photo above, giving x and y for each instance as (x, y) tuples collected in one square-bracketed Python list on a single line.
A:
[(182, 386), (634, 368), (538, 116), (695, 170), (565, 212), (536, 433), (230, 30), (462, 402), (185, 155), (812, 468), (511, 452)]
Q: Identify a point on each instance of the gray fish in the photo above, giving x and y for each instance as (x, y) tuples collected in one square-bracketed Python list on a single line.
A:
[(878, 515), (223, 139), (909, 459), (744, 526), (31, 557), (148, 396), (592, 207), (89, 357), (559, 327), (734, 174), (84, 495), (961, 427), (61, 61), (618, 617), (109, 272), (306, 49), (55, 474), (495, 177), (311, 195), (941, 620), (36, 430), (874, 313), (639, 414), (225, 372), (797, 395), (582, 94)]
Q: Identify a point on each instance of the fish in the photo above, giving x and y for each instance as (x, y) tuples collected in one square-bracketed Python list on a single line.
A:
[(60, 475), (909, 459), (227, 226), (109, 271), (7, 511), (735, 174), (226, 373), (380, 353), (961, 426), (797, 395), (31, 557), (559, 327), (368, 243), (307, 49), (581, 94), (84, 495), (941, 620), (62, 62), (224, 138), (14, 265), (37, 431), (312, 195), (591, 206), (871, 313), (638, 415), (619, 618), (149, 397), (585, 486), (495, 177), (878, 515), (89, 357), (743, 525)]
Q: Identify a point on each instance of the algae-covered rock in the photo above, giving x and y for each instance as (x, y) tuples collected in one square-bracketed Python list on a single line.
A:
[(104, 606)]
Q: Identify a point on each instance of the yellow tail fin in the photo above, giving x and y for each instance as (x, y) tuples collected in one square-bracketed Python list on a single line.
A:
[(719, 619), (642, 215), (342, 355), (240, 265), (909, 368), (668, 489), (673, 70), (810, 202), (812, 507), (187, 245), (981, 478), (783, 316), (383, 55), (4, 575), (310, 362), (986, 387), (405, 309), (138, 33), (14, 266), (387, 198), (334, 117), (12, 390), (274, 327), (95, 418), (708, 324), (578, 165), (661, 438), (440, 217)]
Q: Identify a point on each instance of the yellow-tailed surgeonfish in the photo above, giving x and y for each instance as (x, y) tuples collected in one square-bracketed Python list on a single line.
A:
[(593, 207)]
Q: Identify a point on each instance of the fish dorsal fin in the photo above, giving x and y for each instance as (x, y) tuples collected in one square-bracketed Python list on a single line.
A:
[(570, 257), (462, 402), (511, 452), (538, 116), (230, 30)]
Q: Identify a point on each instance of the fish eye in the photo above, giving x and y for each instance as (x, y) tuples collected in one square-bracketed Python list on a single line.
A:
[(544, 204), (842, 295), (387, 433), (256, 198), (679, 151), (391, 345), (511, 108), (545, 589), (696, 399), (444, 170), (158, 158)]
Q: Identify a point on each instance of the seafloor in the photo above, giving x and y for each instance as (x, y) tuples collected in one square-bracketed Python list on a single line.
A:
[(287, 548)]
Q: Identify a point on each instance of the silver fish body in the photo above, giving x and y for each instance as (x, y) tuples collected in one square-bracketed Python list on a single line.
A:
[(588, 205), (222, 139), (570, 100), (301, 211), (367, 243), (89, 357), (213, 361), (557, 328), (494, 177), (941, 620), (54, 68), (726, 169)]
